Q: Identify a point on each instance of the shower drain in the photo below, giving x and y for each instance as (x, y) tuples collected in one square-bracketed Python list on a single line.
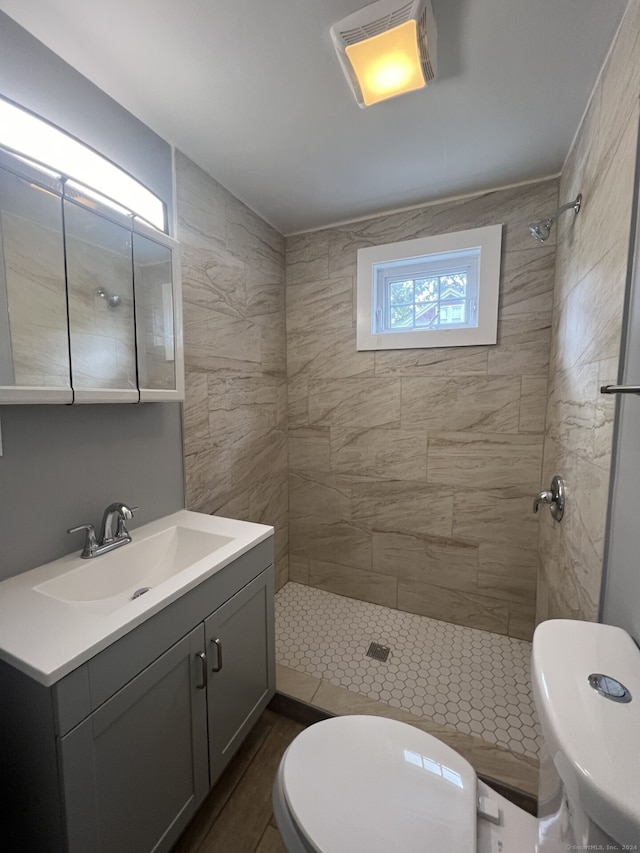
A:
[(378, 652)]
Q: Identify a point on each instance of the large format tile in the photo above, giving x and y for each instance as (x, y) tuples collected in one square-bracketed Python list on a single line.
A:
[(436, 361), (307, 257), (336, 542), (402, 505), (508, 572), (502, 515), (201, 206), (353, 582), (235, 410), (326, 354), (428, 559), (387, 454), (456, 606), (484, 460), (354, 403), (469, 403)]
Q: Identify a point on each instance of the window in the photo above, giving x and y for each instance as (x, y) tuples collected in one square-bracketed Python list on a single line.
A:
[(29, 136), (430, 292)]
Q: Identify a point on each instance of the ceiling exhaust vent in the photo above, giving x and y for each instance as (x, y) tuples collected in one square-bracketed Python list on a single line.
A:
[(387, 49)]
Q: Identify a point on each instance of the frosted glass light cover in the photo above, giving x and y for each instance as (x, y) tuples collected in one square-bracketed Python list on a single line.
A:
[(387, 64)]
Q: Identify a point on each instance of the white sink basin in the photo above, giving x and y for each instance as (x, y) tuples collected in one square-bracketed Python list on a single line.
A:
[(57, 616), (106, 583)]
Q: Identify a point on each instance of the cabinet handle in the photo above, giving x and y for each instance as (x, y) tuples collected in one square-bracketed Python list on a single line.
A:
[(218, 644), (205, 670)]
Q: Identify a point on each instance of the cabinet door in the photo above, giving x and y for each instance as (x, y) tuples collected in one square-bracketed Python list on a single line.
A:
[(135, 771), (158, 300), (240, 651), (101, 312), (34, 342)]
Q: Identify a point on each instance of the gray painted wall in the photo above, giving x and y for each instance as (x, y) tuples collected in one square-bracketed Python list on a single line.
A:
[(62, 465)]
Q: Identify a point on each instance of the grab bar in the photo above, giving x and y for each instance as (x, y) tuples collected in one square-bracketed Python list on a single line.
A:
[(620, 389)]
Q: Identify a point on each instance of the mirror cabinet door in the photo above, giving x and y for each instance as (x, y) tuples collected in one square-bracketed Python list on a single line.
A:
[(154, 278), (34, 345), (101, 313)]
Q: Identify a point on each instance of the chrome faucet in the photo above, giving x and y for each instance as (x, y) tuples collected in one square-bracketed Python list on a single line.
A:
[(114, 532)]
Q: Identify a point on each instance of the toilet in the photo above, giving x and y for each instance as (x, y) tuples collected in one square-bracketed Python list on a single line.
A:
[(363, 784)]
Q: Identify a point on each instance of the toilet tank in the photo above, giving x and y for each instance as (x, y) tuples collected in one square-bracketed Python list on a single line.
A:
[(590, 767)]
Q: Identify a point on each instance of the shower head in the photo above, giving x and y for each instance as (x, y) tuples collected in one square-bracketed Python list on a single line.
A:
[(541, 228), (112, 299)]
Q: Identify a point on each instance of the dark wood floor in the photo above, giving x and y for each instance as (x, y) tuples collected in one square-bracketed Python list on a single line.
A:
[(237, 816)]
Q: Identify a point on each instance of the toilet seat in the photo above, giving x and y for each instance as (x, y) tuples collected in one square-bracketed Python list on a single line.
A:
[(375, 785)]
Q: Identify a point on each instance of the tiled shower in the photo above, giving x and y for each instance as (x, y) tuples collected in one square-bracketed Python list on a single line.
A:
[(404, 479)]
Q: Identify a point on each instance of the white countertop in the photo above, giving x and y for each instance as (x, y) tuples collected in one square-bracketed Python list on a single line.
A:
[(47, 638)]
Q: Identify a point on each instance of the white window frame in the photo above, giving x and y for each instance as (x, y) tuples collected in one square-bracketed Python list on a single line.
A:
[(425, 253)]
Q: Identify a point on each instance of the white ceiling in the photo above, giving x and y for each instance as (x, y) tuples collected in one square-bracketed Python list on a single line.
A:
[(251, 90)]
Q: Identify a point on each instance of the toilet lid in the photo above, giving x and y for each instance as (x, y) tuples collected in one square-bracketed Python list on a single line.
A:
[(374, 785)]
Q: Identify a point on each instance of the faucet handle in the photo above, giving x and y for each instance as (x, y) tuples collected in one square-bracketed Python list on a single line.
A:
[(91, 543)]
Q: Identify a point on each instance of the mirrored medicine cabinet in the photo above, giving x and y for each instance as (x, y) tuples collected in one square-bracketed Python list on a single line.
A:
[(90, 297)]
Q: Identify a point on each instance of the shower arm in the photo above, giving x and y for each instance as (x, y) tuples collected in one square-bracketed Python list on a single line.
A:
[(571, 204)]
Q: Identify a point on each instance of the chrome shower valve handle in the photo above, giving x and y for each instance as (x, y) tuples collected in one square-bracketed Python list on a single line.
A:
[(554, 497)]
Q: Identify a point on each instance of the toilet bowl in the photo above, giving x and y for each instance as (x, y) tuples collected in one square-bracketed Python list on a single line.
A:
[(363, 784)]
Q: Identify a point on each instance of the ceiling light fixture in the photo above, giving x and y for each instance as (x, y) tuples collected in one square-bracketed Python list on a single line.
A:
[(387, 49)]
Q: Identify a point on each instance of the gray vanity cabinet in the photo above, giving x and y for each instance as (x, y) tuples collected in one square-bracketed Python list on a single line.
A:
[(239, 677), (117, 755), (135, 771)]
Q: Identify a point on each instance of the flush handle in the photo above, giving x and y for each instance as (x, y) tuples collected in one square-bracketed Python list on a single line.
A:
[(554, 497)]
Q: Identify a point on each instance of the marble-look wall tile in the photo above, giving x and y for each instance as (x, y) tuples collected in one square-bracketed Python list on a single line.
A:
[(355, 403), (235, 410), (195, 413), (320, 494), (331, 541), (440, 561), (309, 449), (527, 280), (522, 621), (355, 583), (474, 403), (533, 396), (319, 305), (476, 611), (427, 453), (307, 257), (326, 354), (456, 361), (484, 460), (298, 568), (521, 354), (388, 454), (507, 571), (201, 209), (501, 515), (401, 505), (591, 268)]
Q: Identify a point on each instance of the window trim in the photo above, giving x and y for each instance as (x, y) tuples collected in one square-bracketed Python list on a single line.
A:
[(488, 240)]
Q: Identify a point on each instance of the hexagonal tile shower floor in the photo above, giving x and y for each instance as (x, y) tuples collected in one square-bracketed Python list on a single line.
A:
[(470, 680)]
